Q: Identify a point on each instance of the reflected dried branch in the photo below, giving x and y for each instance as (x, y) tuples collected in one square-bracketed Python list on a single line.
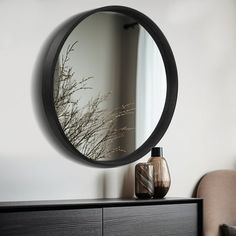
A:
[(91, 129)]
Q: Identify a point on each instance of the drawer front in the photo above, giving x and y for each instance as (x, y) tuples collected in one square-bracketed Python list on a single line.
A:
[(53, 222), (158, 220)]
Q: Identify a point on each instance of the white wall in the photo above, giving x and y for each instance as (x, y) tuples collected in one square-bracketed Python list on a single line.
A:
[(201, 136)]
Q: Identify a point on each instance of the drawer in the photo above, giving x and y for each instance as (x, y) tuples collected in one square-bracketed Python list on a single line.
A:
[(52, 222), (155, 220)]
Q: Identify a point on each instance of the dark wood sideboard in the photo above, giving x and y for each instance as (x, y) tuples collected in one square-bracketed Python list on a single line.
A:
[(108, 217)]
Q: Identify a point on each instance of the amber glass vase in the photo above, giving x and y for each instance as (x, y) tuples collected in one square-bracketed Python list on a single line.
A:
[(144, 180), (162, 179)]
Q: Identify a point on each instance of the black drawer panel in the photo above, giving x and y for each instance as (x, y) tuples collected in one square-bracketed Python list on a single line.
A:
[(155, 220), (52, 222)]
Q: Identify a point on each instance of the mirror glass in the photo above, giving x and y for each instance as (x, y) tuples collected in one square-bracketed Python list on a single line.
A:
[(109, 86)]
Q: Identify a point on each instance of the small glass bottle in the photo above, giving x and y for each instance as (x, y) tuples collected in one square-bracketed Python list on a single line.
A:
[(144, 180), (162, 178)]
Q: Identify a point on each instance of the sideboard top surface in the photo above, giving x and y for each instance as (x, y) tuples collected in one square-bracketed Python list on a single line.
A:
[(89, 203)]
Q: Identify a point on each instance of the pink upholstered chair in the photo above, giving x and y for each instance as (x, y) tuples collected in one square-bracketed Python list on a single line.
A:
[(218, 189)]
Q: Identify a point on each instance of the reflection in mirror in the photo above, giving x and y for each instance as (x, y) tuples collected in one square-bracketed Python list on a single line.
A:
[(109, 86)]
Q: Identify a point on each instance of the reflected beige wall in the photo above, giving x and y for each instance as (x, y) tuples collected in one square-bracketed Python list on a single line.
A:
[(107, 51)]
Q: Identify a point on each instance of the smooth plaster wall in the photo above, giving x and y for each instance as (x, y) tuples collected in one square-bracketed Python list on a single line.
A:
[(200, 138)]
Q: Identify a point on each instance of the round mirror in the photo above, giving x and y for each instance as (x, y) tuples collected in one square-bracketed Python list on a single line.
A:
[(109, 85)]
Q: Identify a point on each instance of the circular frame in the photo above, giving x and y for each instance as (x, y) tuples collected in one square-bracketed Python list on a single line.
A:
[(56, 44)]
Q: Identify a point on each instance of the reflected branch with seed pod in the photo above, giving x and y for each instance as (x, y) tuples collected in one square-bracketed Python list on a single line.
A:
[(90, 128)]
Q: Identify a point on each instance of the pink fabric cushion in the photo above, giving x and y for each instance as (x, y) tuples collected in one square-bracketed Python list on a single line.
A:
[(218, 189)]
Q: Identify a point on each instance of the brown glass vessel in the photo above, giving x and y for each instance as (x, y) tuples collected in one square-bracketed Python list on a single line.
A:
[(144, 180), (162, 178)]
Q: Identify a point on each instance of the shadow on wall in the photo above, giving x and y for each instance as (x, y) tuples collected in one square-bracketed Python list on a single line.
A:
[(127, 183), (36, 90), (127, 190)]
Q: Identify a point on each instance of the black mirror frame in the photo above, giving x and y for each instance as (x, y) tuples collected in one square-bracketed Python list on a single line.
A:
[(49, 65)]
